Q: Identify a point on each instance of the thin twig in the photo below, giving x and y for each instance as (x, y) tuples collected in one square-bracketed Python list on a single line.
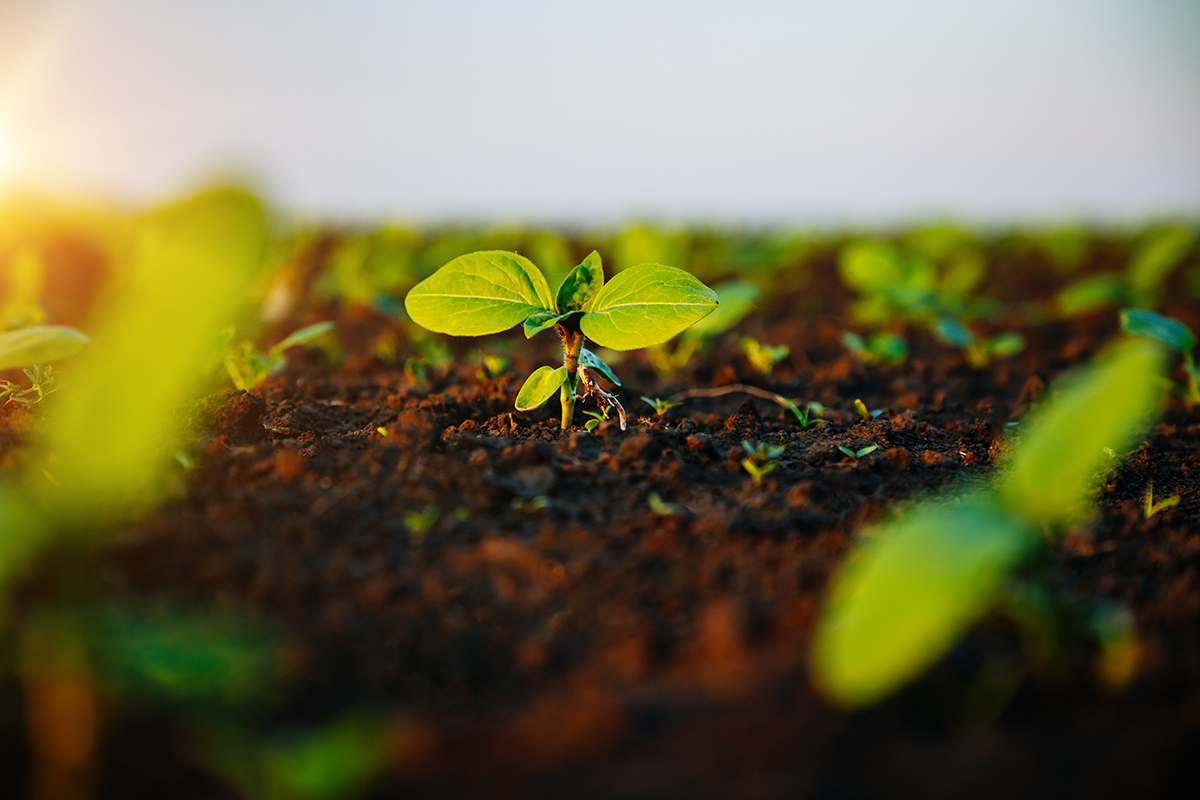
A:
[(718, 391)]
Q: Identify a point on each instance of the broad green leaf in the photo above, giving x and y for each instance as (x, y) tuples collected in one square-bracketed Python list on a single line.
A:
[(1174, 333), (1105, 405), (870, 266), (39, 345), (479, 293), (592, 361), (581, 285), (540, 387), (1156, 257), (1090, 294), (304, 335), (736, 298), (542, 320), (646, 305), (908, 593)]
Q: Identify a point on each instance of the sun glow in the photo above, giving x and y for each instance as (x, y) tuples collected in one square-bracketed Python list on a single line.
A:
[(8, 156)]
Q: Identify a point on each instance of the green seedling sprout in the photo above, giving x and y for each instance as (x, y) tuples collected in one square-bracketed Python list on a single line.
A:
[(763, 357), (41, 380), (760, 459), (881, 348), (492, 291), (248, 366), (596, 418), (860, 408), (661, 407), (908, 592), (803, 417), (660, 506), (419, 523), (1173, 333), (1152, 507), (1141, 284), (857, 454)]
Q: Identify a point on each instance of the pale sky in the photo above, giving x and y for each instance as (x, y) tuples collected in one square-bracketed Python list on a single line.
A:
[(861, 110)]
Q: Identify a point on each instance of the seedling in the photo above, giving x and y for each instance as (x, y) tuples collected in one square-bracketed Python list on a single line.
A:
[(660, 506), (761, 356), (909, 591), (1153, 508), (857, 454), (661, 407), (41, 384), (803, 417), (596, 418), (491, 291), (860, 408), (493, 367), (881, 348), (248, 366), (1174, 334), (760, 459), (419, 523), (1141, 284)]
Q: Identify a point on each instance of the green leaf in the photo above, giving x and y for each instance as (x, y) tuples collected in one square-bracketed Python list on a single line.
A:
[(304, 335), (1140, 322), (1158, 255), (907, 594), (1090, 294), (870, 266), (540, 387), (592, 361), (1005, 344), (542, 320), (39, 344), (736, 299), (1061, 451), (646, 305), (479, 293), (951, 332), (581, 285)]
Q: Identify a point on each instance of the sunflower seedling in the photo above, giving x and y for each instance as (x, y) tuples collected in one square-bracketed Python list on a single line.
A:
[(760, 459), (1174, 334), (494, 290), (857, 454), (763, 357), (803, 417), (1152, 507), (660, 406), (248, 366)]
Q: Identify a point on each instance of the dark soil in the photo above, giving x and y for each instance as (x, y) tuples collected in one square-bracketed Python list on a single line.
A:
[(552, 635)]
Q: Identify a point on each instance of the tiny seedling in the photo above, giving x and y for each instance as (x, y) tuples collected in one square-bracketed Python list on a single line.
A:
[(596, 418), (763, 357), (860, 408), (41, 384), (760, 458), (881, 348), (857, 454), (1142, 282), (248, 366), (493, 367), (661, 407), (660, 506), (1152, 507), (419, 523), (492, 291), (803, 417), (1174, 334)]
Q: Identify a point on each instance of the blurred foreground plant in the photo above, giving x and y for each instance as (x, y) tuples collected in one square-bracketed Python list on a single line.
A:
[(911, 588)]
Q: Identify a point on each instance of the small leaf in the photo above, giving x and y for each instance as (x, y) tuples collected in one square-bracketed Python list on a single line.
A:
[(592, 361), (1090, 294), (1061, 451), (581, 285), (646, 305), (907, 594), (1006, 344), (1174, 333), (591, 425), (866, 450), (848, 452), (479, 293), (539, 321), (304, 336), (540, 387), (38, 345)]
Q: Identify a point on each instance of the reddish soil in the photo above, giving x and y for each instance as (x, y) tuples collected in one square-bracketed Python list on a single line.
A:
[(550, 635)]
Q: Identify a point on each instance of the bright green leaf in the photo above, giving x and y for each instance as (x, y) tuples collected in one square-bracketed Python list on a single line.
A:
[(736, 299), (581, 285), (39, 345), (646, 305), (1061, 452), (540, 387), (952, 333), (479, 293), (542, 320), (908, 593), (1174, 333), (592, 361)]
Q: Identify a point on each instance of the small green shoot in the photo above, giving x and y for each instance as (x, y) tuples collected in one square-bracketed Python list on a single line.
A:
[(493, 367), (41, 383), (984, 351), (248, 366), (760, 459), (491, 291), (860, 408), (1153, 508), (660, 506), (881, 348), (857, 454), (762, 357), (803, 417), (661, 407), (596, 418), (420, 522), (1173, 333)]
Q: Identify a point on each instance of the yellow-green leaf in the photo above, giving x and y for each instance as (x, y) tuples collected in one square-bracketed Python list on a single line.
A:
[(646, 305), (479, 293), (39, 345), (581, 285), (540, 387)]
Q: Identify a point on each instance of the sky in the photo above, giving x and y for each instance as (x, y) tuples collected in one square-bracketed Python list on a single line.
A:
[(800, 111)]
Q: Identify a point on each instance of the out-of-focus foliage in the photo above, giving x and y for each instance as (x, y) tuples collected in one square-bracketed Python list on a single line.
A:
[(248, 366), (1156, 255), (910, 589), (1175, 335), (39, 345)]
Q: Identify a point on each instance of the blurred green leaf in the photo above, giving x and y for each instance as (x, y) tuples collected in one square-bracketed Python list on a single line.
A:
[(1158, 254), (1172, 332), (1090, 294), (736, 298), (331, 764), (39, 345)]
